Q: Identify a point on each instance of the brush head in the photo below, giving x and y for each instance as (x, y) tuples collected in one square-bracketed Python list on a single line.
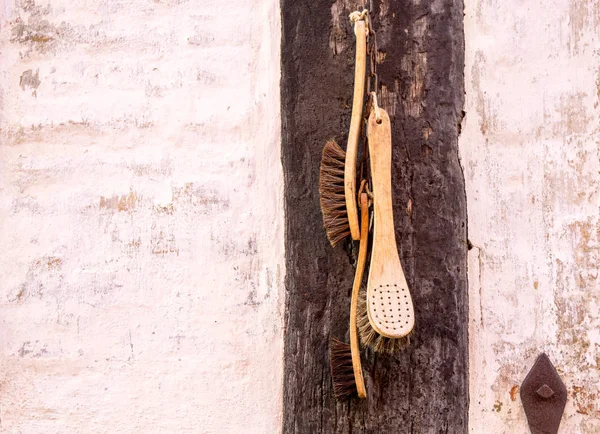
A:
[(331, 190), (369, 336), (342, 372)]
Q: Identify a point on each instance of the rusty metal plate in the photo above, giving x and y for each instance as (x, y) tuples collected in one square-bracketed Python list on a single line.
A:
[(544, 397)]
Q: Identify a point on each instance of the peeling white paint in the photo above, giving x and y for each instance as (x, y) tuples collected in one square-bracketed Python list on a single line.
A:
[(530, 150), (141, 217)]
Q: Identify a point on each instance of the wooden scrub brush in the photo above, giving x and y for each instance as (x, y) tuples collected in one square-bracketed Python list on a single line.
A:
[(386, 314), (337, 180), (344, 359), (331, 191)]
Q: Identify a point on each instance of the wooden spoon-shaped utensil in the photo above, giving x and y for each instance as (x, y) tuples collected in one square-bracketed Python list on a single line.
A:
[(390, 306)]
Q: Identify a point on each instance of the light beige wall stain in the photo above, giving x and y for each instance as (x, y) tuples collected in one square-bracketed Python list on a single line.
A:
[(126, 202), (585, 401), (582, 16), (574, 118), (31, 28)]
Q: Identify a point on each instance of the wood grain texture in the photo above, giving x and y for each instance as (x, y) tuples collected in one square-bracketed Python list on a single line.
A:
[(423, 389)]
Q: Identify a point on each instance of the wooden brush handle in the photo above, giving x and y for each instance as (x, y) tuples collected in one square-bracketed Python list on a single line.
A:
[(358, 277), (380, 153), (389, 302), (360, 68)]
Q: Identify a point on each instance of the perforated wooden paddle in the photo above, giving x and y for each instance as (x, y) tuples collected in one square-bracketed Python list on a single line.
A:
[(390, 306)]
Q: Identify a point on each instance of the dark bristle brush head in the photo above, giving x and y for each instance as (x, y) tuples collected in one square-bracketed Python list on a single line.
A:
[(342, 372), (331, 191), (369, 337)]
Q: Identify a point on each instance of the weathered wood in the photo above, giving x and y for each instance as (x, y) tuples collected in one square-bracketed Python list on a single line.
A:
[(423, 389)]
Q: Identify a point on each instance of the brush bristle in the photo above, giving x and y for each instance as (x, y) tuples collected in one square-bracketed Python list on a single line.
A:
[(331, 190), (342, 371), (369, 337)]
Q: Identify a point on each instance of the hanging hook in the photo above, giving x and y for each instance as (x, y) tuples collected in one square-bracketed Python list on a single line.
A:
[(358, 16)]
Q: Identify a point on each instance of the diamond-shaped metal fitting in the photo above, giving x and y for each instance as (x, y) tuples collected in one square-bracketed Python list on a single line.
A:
[(545, 391), (544, 396)]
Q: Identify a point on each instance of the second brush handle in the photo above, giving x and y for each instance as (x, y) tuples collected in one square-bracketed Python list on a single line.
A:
[(358, 278)]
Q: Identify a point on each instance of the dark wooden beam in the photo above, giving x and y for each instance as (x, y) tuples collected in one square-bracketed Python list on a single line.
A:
[(423, 389)]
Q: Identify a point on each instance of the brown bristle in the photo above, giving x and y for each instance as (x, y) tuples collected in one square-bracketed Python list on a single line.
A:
[(331, 190), (369, 337), (342, 372)]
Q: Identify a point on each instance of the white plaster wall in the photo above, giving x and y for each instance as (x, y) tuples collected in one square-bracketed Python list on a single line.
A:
[(141, 274), (530, 151)]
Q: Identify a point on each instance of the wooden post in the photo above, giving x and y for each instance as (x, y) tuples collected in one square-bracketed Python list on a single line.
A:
[(423, 389)]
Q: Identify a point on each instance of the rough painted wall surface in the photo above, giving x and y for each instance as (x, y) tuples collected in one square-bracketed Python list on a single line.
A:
[(140, 216), (530, 152)]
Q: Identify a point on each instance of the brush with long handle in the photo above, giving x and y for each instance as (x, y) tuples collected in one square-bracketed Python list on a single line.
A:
[(389, 307), (337, 182), (344, 359)]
